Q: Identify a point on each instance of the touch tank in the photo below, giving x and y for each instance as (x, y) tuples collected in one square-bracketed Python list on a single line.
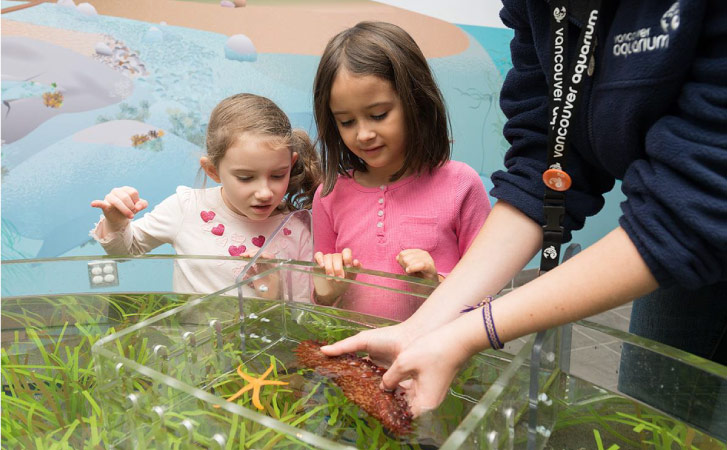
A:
[(129, 363)]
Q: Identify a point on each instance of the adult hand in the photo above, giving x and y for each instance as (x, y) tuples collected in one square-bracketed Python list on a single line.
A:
[(119, 206), (382, 344), (418, 263), (425, 369)]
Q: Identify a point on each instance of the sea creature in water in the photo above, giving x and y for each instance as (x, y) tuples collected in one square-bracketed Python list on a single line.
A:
[(360, 380), (255, 384)]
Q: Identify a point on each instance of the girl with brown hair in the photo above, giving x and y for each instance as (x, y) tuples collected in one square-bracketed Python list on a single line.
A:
[(391, 200), (266, 169)]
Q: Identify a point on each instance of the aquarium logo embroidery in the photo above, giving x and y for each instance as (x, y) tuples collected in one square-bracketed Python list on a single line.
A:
[(670, 19), (643, 40), (550, 252), (559, 14)]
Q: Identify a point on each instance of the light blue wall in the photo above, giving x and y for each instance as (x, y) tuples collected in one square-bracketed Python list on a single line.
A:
[(49, 177)]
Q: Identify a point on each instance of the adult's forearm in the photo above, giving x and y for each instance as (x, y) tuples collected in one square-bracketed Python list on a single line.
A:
[(608, 274), (504, 245)]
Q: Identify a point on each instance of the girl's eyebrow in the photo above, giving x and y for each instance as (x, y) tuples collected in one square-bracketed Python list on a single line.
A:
[(244, 170), (373, 105)]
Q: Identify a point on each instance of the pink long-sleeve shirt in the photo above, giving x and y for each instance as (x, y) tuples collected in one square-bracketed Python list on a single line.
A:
[(439, 212)]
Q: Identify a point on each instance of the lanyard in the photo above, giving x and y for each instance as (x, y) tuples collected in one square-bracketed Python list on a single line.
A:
[(564, 100)]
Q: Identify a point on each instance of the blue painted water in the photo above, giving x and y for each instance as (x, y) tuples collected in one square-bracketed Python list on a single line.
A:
[(496, 42), (7, 4), (188, 75), (49, 178)]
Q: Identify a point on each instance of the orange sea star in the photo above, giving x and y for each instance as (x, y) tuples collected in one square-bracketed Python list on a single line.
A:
[(255, 384)]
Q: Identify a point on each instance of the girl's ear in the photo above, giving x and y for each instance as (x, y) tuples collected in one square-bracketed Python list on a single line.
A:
[(293, 159), (209, 168)]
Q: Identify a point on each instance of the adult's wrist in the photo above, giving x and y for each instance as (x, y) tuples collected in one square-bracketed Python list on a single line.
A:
[(408, 332), (462, 341)]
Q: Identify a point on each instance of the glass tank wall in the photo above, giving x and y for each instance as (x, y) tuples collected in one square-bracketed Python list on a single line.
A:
[(125, 361)]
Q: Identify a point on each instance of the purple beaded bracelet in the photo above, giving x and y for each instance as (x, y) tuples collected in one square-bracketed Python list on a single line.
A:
[(492, 336), (486, 306)]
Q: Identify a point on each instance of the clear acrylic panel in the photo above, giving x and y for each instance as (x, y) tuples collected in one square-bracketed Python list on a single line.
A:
[(630, 391), (165, 363), (166, 380)]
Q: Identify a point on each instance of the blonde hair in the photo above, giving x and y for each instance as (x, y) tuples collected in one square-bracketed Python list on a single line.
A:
[(249, 113)]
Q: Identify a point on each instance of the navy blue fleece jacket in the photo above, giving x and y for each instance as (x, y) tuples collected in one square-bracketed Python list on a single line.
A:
[(653, 115)]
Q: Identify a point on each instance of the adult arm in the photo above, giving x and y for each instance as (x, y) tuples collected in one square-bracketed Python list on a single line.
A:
[(606, 275), (524, 101), (676, 208), (494, 249)]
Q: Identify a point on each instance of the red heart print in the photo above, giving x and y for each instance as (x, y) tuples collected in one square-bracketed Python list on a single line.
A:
[(207, 215), (236, 250), (218, 230), (286, 231), (258, 240)]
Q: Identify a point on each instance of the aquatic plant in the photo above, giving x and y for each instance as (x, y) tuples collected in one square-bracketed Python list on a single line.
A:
[(52, 395), (129, 112), (625, 423), (491, 126), (188, 125), (47, 372), (10, 239), (49, 382)]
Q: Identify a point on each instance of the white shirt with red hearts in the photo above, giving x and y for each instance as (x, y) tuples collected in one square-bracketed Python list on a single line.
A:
[(197, 222)]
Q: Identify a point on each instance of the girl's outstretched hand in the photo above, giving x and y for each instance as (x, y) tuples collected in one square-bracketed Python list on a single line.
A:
[(418, 263), (119, 206)]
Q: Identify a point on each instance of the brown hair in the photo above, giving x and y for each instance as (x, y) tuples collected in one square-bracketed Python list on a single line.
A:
[(249, 113), (388, 52)]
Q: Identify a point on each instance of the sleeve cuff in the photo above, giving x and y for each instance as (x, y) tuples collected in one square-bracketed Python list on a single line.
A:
[(110, 237)]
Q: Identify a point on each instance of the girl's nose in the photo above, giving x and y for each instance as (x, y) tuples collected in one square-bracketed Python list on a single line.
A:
[(365, 134), (264, 193)]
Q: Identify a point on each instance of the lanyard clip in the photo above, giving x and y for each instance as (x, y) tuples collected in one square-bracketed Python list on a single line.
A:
[(554, 218), (552, 235)]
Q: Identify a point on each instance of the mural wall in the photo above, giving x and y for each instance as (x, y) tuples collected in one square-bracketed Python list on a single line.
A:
[(118, 92)]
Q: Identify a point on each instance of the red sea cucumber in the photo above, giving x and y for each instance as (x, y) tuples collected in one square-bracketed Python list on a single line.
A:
[(360, 381)]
